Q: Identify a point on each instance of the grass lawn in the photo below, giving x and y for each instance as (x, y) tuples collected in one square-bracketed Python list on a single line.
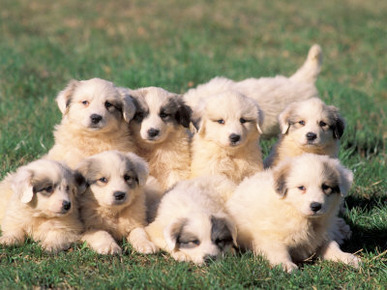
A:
[(176, 45)]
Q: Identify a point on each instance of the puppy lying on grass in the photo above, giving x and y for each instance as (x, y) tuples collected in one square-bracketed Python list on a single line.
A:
[(95, 119), (39, 201), (289, 212), (113, 206)]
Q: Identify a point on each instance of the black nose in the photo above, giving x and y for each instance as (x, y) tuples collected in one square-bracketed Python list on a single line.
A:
[(153, 132), (234, 138), (119, 195), (209, 258), (66, 205), (311, 136), (95, 118), (315, 206)]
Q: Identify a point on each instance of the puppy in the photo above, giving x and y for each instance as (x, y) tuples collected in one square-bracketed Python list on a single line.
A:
[(308, 126), (160, 134), (113, 206), (288, 213), (95, 119), (273, 94), (39, 201), (227, 141), (191, 223)]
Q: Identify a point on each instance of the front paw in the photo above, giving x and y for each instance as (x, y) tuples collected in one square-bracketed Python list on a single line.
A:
[(54, 248), (145, 247), (9, 240), (108, 249), (289, 266), (180, 256), (351, 260)]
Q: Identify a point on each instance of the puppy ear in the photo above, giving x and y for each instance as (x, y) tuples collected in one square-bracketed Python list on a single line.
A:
[(82, 172), (259, 119), (80, 182), (172, 233), (128, 106), (22, 185), (184, 112), (64, 97), (283, 119), (338, 122), (222, 225), (346, 178), (141, 168), (280, 175)]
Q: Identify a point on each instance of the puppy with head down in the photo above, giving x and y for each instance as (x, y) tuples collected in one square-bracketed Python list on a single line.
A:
[(39, 201), (308, 127), (289, 212), (191, 223), (160, 133), (227, 141), (113, 206), (95, 119)]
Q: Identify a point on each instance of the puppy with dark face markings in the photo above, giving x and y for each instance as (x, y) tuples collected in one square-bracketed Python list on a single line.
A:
[(227, 141), (160, 132), (113, 206), (191, 223), (95, 119), (288, 213), (307, 127), (39, 201)]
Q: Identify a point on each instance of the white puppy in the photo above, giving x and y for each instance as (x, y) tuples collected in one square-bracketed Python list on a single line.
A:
[(308, 126), (113, 206), (160, 132), (227, 141), (273, 94), (39, 201), (191, 223), (95, 119), (288, 213)]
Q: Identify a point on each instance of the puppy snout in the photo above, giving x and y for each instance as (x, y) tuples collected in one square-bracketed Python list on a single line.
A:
[(234, 138), (311, 136), (119, 195), (209, 258), (66, 205), (153, 132), (315, 206), (95, 118)]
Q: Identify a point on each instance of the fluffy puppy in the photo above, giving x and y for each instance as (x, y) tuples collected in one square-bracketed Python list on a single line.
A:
[(160, 132), (39, 201), (273, 94), (191, 223), (95, 119), (113, 206), (288, 213), (308, 126), (227, 141)]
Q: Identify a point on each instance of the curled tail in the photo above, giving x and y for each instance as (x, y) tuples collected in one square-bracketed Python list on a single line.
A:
[(310, 70)]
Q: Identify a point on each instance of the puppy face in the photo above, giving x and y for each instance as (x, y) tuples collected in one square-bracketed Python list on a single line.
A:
[(48, 187), (311, 123), (230, 120), (115, 179), (95, 105), (312, 184), (200, 236), (159, 112)]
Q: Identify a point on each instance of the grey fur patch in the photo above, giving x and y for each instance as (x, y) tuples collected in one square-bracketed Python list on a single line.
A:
[(331, 180), (182, 238), (280, 176), (220, 233)]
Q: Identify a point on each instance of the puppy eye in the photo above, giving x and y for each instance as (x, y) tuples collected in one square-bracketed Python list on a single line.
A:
[(221, 121), (67, 188), (103, 180), (86, 103), (242, 120), (108, 105), (164, 115), (49, 189), (326, 188), (301, 123), (129, 179), (322, 124), (192, 243), (302, 188)]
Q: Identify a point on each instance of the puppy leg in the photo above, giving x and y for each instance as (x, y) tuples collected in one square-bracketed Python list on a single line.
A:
[(14, 237), (101, 242), (340, 231), (331, 251), (140, 241)]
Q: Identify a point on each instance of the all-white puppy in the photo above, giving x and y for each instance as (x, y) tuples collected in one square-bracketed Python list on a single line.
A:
[(39, 201), (308, 126), (113, 206), (160, 132), (287, 213), (227, 141), (191, 223), (95, 119), (273, 94)]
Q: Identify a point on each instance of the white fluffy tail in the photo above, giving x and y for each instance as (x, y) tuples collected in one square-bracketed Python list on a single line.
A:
[(311, 67)]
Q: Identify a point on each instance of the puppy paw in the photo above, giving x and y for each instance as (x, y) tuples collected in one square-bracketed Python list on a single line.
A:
[(108, 249), (9, 240), (289, 266), (53, 248), (146, 247), (180, 256), (351, 260)]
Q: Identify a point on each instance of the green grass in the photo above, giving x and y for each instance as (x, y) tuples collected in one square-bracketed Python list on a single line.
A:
[(176, 45)]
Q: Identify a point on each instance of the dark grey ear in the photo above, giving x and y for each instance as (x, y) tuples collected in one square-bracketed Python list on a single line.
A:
[(338, 123), (183, 114), (284, 119), (223, 232), (64, 97), (172, 233), (80, 182), (128, 105), (280, 175)]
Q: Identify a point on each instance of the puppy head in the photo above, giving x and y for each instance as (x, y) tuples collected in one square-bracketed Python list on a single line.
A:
[(115, 179), (48, 187), (159, 112), (230, 120), (311, 123), (95, 105), (201, 236), (312, 184)]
